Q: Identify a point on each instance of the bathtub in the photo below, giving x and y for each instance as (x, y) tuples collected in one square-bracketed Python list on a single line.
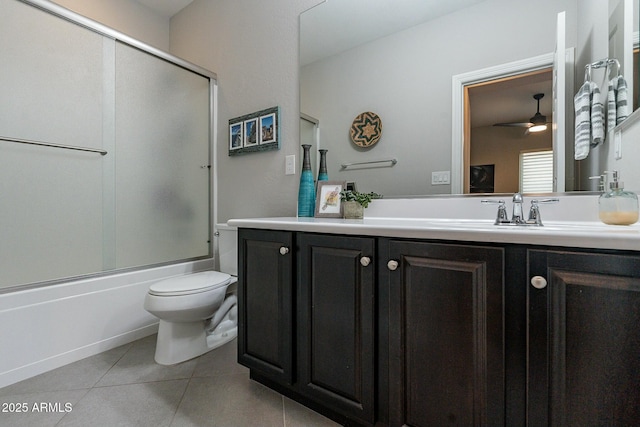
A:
[(48, 327)]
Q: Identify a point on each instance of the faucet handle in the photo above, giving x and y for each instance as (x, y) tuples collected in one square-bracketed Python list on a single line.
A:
[(502, 216), (534, 212)]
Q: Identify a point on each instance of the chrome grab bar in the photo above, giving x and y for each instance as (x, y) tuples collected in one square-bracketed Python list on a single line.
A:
[(48, 144), (392, 161)]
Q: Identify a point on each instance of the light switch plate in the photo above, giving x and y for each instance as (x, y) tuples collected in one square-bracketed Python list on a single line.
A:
[(290, 165), (441, 178)]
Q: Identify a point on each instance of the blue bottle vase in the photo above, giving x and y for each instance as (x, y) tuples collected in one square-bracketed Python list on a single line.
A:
[(307, 190), (322, 170)]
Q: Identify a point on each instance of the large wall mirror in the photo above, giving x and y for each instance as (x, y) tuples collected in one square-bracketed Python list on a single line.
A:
[(398, 60)]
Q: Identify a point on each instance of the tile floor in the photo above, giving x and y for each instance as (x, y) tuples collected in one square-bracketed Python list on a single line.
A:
[(125, 387)]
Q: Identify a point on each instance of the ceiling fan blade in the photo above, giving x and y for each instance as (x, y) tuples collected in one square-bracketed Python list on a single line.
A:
[(516, 124), (537, 119)]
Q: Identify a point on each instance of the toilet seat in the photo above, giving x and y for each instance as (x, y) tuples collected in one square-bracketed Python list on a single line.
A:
[(190, 284)]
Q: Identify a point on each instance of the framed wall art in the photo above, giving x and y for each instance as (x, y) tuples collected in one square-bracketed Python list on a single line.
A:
[(482, 179), (255, 132), (236, 136), (328, 203)]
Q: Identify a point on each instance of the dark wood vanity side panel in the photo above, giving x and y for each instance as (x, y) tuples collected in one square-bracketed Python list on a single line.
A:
[(446, 334), (266, 302), (584, 344)]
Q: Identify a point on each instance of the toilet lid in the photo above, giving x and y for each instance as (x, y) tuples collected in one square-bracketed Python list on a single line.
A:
[(190, 284)]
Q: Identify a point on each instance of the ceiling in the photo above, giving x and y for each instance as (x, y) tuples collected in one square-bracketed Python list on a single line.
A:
[(337, 25), (510, 100), (166, 8)]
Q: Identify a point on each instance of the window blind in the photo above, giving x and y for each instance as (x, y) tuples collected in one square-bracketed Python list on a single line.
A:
[(536, 171)]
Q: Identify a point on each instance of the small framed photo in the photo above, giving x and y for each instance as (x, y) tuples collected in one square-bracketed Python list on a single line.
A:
[(328, 203), (236, 136), (251, 132), (268, 128)]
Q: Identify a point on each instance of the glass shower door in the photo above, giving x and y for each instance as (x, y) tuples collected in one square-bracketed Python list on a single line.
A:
[(50, 198), (161, 167)]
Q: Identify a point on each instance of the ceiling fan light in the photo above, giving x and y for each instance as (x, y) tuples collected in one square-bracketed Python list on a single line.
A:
[(538, 128)]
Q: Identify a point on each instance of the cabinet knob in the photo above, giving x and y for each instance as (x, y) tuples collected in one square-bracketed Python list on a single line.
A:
[(538, 282), (365, 261), (392, 265), (284, 250)]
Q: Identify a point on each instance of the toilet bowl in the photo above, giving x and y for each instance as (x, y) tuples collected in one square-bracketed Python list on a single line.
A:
[(197, 311)]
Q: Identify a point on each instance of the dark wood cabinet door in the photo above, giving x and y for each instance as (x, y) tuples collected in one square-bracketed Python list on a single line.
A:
[(583, 339), (446, 333), (265, 301), (336, 323)]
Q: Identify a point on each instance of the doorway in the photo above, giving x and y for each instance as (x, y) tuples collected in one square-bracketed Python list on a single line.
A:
[(461, 116), (500, 113)]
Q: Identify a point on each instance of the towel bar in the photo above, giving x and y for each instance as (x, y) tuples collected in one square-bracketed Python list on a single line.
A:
[(392, 161), (48, 144)]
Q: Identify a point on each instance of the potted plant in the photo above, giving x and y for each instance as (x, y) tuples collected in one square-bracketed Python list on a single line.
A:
[(355, 202)]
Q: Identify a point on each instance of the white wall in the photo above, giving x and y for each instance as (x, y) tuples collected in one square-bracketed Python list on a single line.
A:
[(127, 16), (406, 79), (630, 142), (253, 48)]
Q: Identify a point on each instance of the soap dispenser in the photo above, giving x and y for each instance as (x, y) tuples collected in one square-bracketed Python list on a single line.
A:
[(618, 207)]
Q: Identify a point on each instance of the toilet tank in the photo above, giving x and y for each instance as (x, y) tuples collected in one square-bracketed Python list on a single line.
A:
[(227, 249)]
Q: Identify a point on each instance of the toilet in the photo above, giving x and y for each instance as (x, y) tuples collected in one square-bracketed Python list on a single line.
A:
[(198, 312)]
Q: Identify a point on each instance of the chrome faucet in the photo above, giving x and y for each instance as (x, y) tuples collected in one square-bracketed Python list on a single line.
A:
[(517, 217), (534, 212)]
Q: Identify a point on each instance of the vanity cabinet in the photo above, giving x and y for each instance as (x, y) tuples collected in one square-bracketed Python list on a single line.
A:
[(584, 339), (396, 332), (446, 333), (312, 338)]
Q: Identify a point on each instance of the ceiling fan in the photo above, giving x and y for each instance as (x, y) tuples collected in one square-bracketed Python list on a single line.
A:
[(537, 123)]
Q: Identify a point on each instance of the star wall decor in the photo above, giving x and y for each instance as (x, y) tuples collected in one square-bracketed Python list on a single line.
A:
[(366, 129)]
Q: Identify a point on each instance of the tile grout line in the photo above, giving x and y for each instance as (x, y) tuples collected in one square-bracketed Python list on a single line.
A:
[(112, 366), (94, 386), (180, 401), (79, 400)]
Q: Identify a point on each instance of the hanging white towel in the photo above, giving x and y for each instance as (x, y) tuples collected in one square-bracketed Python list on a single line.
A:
[(622, 105), (582, 106), (617, 103), (597, 117), (611, 103)]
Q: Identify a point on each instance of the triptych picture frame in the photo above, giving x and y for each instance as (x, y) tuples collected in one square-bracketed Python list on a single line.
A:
[(255, 132)]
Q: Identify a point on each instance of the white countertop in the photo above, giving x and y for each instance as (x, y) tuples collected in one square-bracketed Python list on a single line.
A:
[(580, 234), (572, 222)]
